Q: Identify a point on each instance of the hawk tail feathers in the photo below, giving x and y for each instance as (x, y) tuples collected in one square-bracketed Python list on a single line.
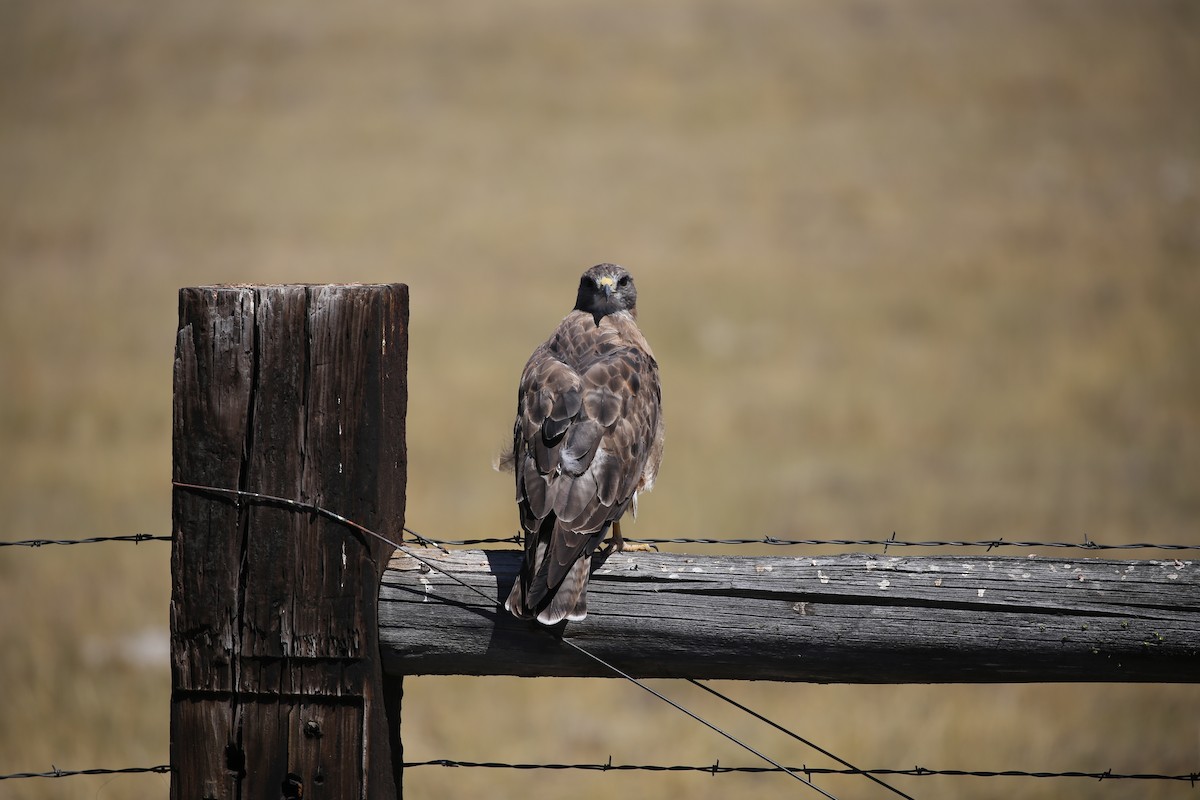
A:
[(569, 601)]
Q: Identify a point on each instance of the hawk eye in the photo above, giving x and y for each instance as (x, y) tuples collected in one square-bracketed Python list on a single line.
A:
[(623, 280)]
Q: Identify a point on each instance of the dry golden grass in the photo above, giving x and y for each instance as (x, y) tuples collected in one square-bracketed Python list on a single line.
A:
[(929, 268)]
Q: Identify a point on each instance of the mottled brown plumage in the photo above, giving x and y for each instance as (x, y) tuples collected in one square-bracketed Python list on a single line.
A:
[(588, 438)]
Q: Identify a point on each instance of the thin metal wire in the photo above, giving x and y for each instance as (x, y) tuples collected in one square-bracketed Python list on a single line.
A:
[(794, 735), (701, 720), (134, 537), (717, 769), (55, 772), (315, 509), (332, 515)]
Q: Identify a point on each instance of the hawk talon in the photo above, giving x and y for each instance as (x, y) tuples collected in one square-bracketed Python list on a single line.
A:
[(618, 543)]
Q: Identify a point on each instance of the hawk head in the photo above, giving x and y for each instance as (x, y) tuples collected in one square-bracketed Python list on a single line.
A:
[(606, 289)]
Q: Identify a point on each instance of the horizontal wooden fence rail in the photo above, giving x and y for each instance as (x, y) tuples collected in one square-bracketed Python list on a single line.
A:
[(841, 619)]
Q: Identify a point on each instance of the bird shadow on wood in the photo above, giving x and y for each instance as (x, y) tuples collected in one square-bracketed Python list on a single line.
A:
[(530, 635)]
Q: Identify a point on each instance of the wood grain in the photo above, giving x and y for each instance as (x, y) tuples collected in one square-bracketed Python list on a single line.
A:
[(297, 392), (837, 619)]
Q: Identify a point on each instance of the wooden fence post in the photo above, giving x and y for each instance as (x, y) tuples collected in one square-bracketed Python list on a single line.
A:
[(298, 392)]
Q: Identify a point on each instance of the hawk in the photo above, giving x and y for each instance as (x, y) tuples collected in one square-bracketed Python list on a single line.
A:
[(588, 438)]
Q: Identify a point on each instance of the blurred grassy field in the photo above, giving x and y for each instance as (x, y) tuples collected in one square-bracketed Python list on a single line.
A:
[(930, 267)]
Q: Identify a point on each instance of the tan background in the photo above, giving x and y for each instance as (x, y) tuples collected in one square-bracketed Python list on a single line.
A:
[(928, 267)]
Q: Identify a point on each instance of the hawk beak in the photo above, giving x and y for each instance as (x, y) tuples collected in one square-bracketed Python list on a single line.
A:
[(607, 284)]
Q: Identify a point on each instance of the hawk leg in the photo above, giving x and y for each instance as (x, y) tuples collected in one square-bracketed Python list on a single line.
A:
[(617, 542)]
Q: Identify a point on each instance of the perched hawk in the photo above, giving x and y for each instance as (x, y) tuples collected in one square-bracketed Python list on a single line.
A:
[(588, 438)]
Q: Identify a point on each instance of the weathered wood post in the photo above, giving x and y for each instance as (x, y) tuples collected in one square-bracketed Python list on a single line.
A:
[(298, 392)]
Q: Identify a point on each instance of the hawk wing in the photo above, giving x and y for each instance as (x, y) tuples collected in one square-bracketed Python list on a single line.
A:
[(588, 437)]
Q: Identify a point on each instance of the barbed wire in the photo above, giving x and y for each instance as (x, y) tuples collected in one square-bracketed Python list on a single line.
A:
[(988, 544), (133, 537), (426, 541), (514, 539), (55, 772), (717, 769)]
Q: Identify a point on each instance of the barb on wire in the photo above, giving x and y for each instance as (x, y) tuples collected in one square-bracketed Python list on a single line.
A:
[(55, 772), (133, 537), (718, 769)]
